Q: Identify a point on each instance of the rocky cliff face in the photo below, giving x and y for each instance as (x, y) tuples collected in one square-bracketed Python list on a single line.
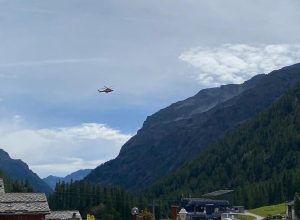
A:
[(177, 133), (18, 170)]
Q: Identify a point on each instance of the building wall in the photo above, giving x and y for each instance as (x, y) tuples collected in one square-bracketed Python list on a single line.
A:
[(2, 186), (22, 217)]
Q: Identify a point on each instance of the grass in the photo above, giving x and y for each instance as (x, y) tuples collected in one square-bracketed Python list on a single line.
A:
[(245, 217), (269, 210)]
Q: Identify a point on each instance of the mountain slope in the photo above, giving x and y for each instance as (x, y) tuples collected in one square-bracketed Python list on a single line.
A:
[(18, 170), (260, 160), (176, 134), (14, 185), (78, 175)]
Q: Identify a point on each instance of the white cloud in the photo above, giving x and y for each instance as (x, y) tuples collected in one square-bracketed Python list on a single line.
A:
[(69, 166), (235, 63), (60, 151)]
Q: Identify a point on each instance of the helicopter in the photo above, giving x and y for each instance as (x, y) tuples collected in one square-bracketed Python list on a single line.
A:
[(105, 89)]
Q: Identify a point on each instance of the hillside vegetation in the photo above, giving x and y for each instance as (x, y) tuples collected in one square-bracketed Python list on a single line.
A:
[(269, 210), (176, 134), (260, 160), (103, 202), (15, 185)]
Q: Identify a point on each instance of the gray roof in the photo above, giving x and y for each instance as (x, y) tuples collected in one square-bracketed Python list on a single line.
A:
[(217, 193), (60, 215), (23, 203), (203, 201)]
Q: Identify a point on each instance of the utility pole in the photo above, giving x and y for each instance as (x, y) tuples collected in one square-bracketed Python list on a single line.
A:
[(153, 209)]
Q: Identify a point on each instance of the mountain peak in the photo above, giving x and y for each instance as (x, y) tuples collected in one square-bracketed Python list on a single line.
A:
[(16, 169), (4, 155), (189, 126)]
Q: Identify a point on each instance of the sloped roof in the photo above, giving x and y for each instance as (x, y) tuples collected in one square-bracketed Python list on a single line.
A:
[(217, 193), (23, 203), (202, 201), (60, 215)]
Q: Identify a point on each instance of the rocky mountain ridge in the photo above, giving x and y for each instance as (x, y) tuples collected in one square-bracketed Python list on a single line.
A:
[(177, 133), (18, 170), (77, 175)]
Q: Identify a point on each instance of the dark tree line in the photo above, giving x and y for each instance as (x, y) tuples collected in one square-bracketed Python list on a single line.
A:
[(103, 202), (15, 185)]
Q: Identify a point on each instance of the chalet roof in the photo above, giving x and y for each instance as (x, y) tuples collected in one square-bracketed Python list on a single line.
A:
[(291, 203), (23, 203), (62, 215), (202, 201), (217, 193)]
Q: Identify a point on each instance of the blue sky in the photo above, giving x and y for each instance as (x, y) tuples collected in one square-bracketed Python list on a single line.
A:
[(55, 54)]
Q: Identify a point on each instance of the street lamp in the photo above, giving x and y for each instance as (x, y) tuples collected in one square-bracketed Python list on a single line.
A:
[(182, 214)]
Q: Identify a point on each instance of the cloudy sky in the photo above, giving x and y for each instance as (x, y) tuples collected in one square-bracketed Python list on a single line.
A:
[(55, 54)]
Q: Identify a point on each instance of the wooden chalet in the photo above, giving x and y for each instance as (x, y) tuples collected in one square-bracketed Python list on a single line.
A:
[(201, 208), (22, 206)]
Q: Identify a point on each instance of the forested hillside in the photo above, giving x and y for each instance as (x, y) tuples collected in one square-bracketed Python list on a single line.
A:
[(103, 202), (15, 185), (177, 133), (18, 170), (260, 160)]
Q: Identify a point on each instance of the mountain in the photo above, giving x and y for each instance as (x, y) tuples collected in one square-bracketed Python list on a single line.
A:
[(260, 160), (179, 132), (18, 170), (52, 180), (78, 175)]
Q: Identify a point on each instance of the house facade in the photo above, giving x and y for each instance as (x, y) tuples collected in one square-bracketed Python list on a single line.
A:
[(204, 209), (290, 211)]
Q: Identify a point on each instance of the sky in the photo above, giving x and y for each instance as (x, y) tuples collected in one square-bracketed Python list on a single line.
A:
[(55, 54)]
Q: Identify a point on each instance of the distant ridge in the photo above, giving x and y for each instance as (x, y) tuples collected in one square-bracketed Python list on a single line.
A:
[(18, 170), (179, 132), (78, 175)]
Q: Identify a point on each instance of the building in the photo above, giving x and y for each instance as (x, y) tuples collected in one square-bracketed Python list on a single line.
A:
[(64, 215), (204, 209), (1, 186), (220, 195), (23, 206), (30, 206), (290, 211)]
